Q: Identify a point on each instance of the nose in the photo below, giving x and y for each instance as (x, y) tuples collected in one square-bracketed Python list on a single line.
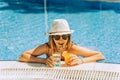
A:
[(61, 39)]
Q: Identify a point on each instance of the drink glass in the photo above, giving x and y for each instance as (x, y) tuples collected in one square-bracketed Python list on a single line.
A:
[(57, 59), (67, 56)]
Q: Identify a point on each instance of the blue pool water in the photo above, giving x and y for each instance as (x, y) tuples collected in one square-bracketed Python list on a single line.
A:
[(96, 25)]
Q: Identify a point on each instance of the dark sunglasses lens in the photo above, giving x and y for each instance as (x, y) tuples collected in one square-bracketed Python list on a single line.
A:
[(64, 37), (57, 37)]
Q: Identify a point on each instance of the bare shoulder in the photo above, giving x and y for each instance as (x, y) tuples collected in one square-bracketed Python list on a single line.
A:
[(43, 48), (45, 45), (82, 50), (79, 47)]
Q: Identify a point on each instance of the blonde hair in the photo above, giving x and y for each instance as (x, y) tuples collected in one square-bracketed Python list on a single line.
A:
[(51, 43)]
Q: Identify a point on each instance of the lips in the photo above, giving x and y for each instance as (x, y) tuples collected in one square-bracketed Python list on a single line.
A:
[(61, 44)]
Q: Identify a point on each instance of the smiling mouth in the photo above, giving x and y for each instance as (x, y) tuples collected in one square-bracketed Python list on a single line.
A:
[(61, 44)]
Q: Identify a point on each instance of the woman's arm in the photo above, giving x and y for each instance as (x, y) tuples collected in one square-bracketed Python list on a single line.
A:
[(31, 55), (89, 55)]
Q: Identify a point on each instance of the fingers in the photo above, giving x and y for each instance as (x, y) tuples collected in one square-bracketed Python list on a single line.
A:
[(74, 60), (50, 62)]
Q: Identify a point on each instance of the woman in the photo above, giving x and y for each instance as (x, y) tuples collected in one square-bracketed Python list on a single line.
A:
[(60, 40)]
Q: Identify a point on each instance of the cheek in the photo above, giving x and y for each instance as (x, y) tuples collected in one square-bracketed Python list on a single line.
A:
[(56, 42)]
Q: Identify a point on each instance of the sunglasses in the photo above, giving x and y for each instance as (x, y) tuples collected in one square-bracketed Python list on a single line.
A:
[(57, 37)]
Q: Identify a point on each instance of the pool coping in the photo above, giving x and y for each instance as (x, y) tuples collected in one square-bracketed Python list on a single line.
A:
[(14, 70), (85, 66)]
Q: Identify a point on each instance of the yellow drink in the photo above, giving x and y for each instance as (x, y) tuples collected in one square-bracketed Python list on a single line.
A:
[(66, 56)]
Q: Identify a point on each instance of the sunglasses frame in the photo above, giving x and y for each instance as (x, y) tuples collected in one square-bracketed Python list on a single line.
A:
[(57, 37)]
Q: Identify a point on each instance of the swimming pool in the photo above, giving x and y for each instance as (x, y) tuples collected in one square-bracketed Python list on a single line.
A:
[(96, 25)]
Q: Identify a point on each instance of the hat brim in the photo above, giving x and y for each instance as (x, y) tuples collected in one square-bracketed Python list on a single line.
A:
[(59, 33)]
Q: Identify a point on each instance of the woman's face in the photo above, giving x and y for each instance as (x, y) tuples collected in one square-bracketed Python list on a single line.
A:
[(60, 40)]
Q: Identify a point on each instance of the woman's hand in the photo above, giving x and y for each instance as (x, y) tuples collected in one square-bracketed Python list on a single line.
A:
[(74, 60), (50, 61)]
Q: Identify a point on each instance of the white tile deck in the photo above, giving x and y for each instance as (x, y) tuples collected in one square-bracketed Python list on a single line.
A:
[(14, 70)]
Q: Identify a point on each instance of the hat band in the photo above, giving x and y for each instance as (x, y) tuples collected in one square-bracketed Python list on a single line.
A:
[(58, 32)]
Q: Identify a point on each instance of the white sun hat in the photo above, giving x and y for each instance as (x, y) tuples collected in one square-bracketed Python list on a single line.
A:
[(60, 26)]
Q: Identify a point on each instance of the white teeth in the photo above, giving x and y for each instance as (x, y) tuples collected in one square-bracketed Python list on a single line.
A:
[(61, 43)]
